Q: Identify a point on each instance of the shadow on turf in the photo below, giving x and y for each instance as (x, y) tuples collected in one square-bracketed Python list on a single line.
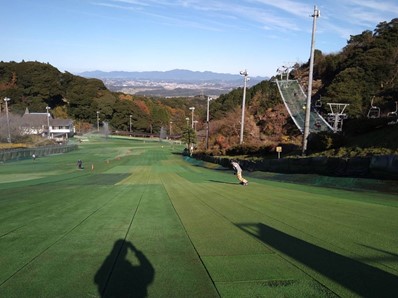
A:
[(381, 250), (363, 279), (118, 277), (224, 182), (219, 168)]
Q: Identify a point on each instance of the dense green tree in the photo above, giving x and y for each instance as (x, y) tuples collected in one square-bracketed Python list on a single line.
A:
[(120, 118), (188, 136), (348, 87), (227, 102)]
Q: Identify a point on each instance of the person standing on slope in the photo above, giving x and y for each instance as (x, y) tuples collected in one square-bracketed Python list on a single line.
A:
[(238, 172)]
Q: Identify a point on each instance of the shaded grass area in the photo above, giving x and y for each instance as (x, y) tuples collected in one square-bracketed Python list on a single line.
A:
[(359, 278), (146, 221), (339, 221), (348, 183)]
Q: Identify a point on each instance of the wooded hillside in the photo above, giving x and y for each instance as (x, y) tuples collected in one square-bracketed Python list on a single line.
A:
[(35, 85), (366, 68)]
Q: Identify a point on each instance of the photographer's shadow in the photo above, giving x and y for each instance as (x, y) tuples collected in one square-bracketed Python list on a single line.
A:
[(118, 277)]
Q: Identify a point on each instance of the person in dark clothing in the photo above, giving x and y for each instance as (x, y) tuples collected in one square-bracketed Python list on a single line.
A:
[(79, 164)]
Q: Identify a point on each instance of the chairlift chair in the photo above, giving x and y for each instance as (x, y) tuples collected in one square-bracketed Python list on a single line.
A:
[(317, 124), (374, 111), (393, 116), (318, 103)]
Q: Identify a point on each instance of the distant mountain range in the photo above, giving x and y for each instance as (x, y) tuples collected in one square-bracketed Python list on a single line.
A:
[(172, 83), (176, 75)]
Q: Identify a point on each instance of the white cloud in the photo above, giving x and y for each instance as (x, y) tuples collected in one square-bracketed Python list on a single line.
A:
[(381, 6), (117, 6), (202, 14), (292, 7)]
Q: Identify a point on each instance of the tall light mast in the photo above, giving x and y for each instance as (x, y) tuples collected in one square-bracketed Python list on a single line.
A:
[(310, 78), (242, 123)]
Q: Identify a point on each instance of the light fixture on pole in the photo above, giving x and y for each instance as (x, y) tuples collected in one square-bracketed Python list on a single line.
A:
[(187, 119), (242, 124), (310, 76), (98, 120), (130, 122), (6, 100), (192, 109), (207, 121), (48, 121)]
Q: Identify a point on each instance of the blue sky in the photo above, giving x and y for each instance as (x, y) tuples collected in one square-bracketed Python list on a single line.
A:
[(223, 36)]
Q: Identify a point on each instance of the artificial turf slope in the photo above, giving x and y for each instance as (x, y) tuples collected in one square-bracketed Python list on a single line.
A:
[(142, 220)]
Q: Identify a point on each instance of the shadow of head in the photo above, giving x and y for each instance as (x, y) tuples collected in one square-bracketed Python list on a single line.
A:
[(126, 272)]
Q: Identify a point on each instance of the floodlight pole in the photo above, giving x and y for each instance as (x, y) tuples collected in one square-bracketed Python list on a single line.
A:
[(171, 122), (207, 121), (192, 109), (242, 123), (189, 133), (310, 78), (130, 121), (6, 100), (98, 120), (48, 121)]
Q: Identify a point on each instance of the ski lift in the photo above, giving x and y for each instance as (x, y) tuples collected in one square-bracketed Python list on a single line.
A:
[(393, 116), (374, 111), (337, 115)]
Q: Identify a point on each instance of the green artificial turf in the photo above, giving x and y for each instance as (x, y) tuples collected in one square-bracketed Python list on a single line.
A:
[(141, 219)]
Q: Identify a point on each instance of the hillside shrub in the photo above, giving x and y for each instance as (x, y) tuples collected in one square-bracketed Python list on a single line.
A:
[(351, 152), (363, 125), (324, 141)]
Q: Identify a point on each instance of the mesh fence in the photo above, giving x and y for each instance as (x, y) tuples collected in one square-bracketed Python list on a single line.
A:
[(17, 154), (380, 167)]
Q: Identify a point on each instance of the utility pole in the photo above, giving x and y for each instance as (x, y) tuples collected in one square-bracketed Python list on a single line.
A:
[(310, 78), (242, 123), (192, 109), (6, 100), (171, 122), (48, 121), (98, 120), (207, 121)]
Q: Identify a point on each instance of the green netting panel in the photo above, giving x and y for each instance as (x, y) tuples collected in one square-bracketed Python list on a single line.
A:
[(295, 101), (17, 154)]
